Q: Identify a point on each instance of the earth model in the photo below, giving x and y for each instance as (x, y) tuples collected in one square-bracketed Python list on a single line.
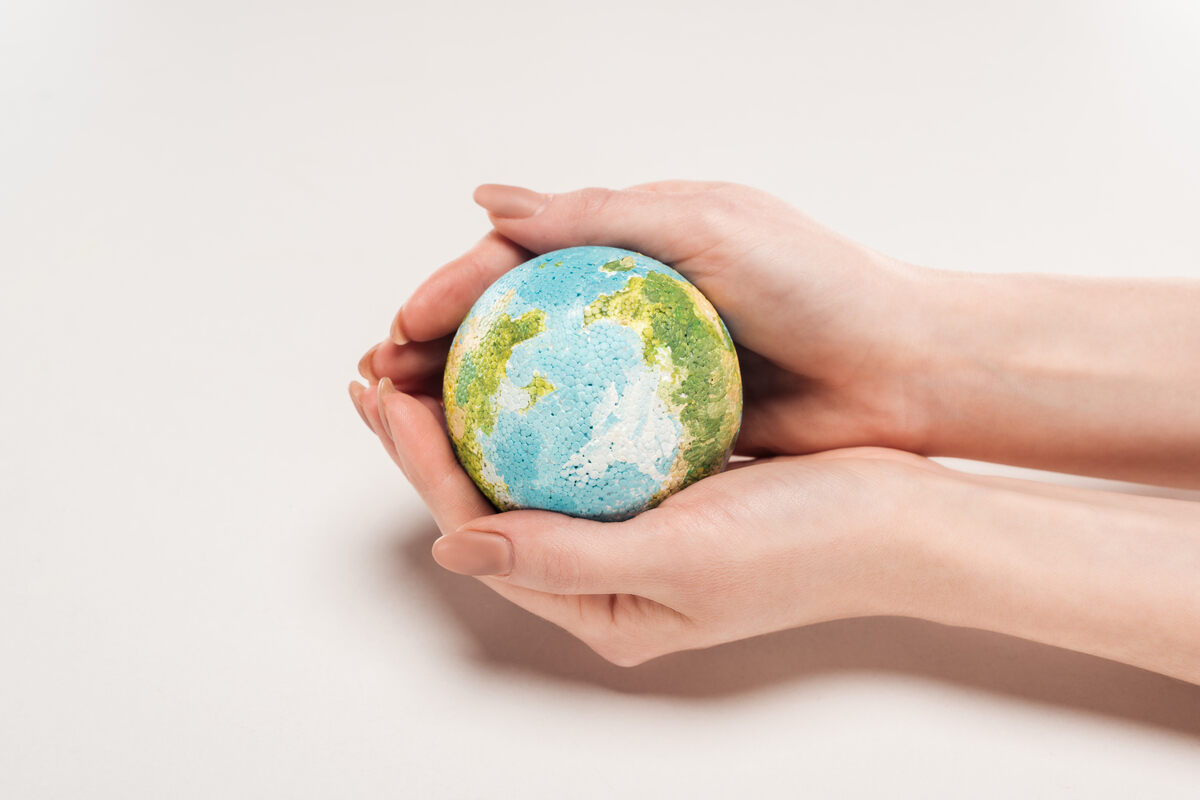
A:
[(592, 381)]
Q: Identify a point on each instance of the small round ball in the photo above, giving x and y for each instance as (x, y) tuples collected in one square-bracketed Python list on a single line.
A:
[(593, 381)]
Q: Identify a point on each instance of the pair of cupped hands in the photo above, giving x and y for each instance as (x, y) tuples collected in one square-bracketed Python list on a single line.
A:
[(808, 528)]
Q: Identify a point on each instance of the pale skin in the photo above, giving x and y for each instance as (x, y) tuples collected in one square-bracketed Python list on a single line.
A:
[(857, 367)]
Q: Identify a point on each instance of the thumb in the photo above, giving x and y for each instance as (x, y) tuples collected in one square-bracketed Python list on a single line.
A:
[(671, 226), (559, 554)]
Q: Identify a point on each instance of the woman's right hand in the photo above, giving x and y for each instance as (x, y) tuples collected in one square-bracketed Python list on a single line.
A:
[(824, 326)]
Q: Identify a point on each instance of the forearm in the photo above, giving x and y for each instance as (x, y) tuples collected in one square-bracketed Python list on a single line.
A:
[(1112, 575), (1077, 375)]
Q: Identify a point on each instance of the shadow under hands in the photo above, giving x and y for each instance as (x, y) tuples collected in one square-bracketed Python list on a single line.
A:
[(510, 637)]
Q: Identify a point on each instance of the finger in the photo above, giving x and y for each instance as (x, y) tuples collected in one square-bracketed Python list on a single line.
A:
[(368, 402), (365, 402), (417, 432), (559, 554), (415, 423), (671, 226), (573, 613), (415, 367), (625, 629), (439, 305), (678, 186), (356, 392)]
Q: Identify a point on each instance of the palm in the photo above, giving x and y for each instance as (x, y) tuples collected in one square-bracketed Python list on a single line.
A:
[(786, 413)]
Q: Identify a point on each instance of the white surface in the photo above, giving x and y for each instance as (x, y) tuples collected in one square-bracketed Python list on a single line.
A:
[(213, 583)]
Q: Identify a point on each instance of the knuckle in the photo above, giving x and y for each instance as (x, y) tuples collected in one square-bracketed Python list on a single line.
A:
[(623, 659), (562, 569), (473, 265), (622, 644), (593, 201), (718, 210), (622, 651)]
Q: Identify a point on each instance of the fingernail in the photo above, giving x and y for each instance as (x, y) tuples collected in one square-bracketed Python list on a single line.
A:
[(385, 389), (356, 390), (366, 368), (397, 332), (473, 553), (509, 202)]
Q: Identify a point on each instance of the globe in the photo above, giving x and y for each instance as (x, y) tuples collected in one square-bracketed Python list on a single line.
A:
[(592, 381)]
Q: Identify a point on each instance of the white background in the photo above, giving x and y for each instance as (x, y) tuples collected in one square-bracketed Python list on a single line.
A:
[(212, 581)]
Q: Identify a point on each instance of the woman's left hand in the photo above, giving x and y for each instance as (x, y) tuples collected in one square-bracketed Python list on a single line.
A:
[(767, 545)]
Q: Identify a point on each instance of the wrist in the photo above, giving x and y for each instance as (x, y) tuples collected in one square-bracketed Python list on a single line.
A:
[(946, 555), (950, 544), (1098, 572), (905, 335), (965, 337), (987, 550), (919, 547), (895, 551)]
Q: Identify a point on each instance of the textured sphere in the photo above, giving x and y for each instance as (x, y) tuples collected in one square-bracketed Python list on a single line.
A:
[(592, 381)]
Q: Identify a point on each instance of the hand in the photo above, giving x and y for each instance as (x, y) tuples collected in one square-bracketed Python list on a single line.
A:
[(820, 321), (841, 346), (835, 353), (764, 546), (781, 542)]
